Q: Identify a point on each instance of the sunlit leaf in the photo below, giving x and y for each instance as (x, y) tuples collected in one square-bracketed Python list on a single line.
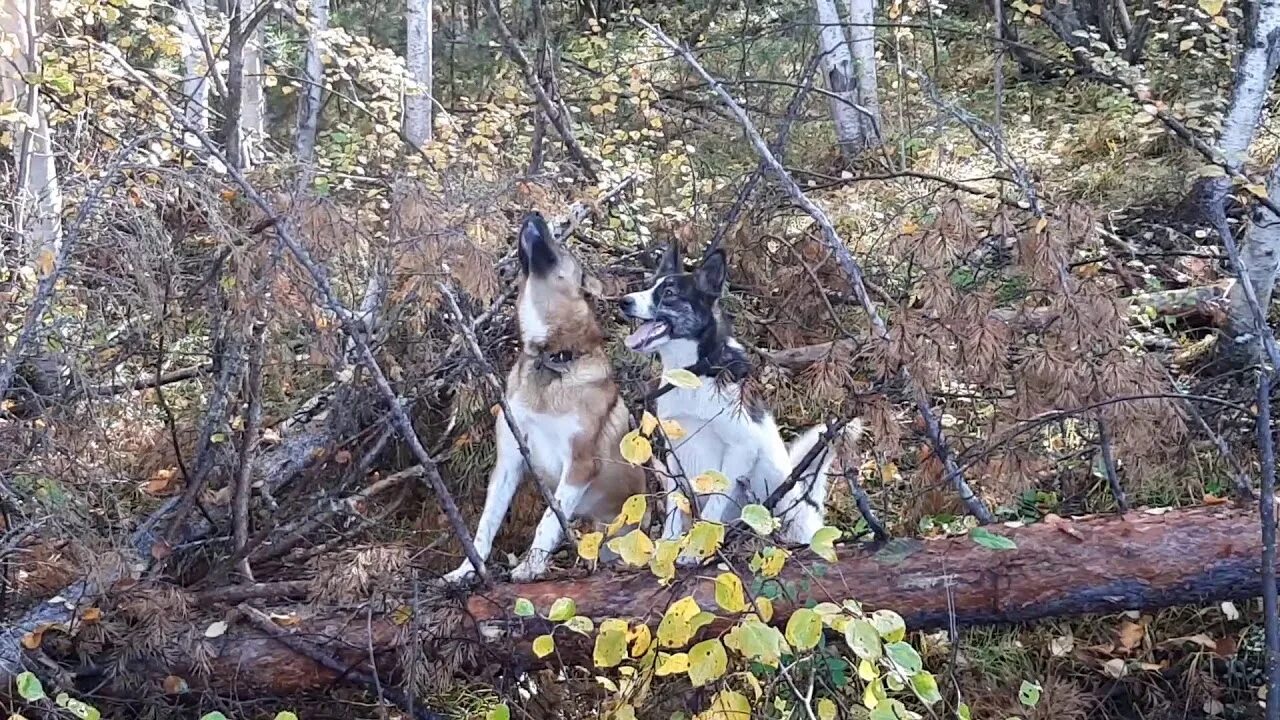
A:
[(524, 608), (632, 513), (1029, 694), (635, 548), (682, 378), (758, 518), (562, 609), (863, 638), (925, 686), (827, 709), (648, 423), (769, 561), (710, 481), (580, 624), (677, 626), (804, 629), (29, 687), (823, 543), (499, 712), (707, 662), (611, 643), (672, 664), (544, 645), (640, 638), (889, 624), (730, 594), (589, 546), (728, 705), (704, 539), (765, 607), (663, 564), (635, 448)]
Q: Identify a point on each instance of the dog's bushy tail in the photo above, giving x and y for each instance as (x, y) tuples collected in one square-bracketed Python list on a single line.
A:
[(807, 500)]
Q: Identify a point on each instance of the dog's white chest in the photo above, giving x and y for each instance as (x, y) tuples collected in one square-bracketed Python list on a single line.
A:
[(549, 439)]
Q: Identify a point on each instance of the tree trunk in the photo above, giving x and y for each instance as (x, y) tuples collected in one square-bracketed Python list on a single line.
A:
[(195, 80), (837, 63), (1260, 254), (38, 212), (1100, 564), (253, 121), (417, 102), (862, 41), (312, 97)]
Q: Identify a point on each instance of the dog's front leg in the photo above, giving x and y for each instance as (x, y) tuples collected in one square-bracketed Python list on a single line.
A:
[(503, 483), (549, 533)]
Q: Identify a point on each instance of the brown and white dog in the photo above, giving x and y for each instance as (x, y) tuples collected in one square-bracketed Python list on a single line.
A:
[(563, 401)]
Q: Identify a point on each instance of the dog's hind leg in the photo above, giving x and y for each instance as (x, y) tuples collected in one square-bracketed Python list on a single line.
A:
[(504, 480), (804, 506)]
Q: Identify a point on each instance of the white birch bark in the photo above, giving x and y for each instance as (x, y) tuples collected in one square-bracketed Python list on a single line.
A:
[(862, 43), (312, 96), (195, 71), (417, 101), (837, 65), (38, 207), (253, 127), (1255, 72)]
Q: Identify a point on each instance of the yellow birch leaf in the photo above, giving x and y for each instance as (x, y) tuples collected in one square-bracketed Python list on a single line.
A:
[(682, 378), (707, 662), (635, 448), (544, 645), (635, 548), (729, 593), (589, 546)]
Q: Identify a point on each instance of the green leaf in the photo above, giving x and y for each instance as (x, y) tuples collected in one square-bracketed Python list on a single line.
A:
[(286, 715), (29, 687), (863, 638), (963, 712), (823, 543), (990, 540), (215, 715), (925, 686), (561, 610), (758, 518), (890, 710), (905, 657), (580, 624), (1029, 694), (756, 641), (804, 629), (82, 710), (827, 709), (611, 643), (889, 625), (730, 594), (499, 712), (524, 607), (707, 662)]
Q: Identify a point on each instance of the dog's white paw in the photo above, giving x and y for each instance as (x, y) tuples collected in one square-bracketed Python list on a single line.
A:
[(465, 573), (528, 570)]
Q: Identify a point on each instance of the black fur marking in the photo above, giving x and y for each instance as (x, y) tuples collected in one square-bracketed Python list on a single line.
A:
[(535, 247)]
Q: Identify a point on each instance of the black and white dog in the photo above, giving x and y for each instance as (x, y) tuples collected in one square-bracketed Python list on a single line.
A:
[(725, 428)]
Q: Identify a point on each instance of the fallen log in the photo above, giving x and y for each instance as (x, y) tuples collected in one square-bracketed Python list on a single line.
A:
[(1139, 560)]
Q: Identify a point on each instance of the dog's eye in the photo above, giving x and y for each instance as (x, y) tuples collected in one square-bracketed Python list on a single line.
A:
[(668, 291)]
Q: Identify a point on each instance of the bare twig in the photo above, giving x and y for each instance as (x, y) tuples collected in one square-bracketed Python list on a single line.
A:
[(550, 108), (48, 282), (863, 501), (147, 382), (1270, 607), (933, 428), (350, 325), (464, 324), (1109, 465)]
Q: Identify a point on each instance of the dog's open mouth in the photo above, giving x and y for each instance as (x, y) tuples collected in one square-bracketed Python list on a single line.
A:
[(650, 333)]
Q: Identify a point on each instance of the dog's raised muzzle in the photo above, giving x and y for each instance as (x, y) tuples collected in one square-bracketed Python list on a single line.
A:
[(627, 305)]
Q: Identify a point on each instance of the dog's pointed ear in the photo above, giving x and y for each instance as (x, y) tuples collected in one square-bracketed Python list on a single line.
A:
[(536, 246), (670, 262), (712, 274)]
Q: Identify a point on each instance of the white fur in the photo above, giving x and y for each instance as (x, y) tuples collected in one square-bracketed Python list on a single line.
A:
[(549, 439), (644, 301), (533, 327), (720, 435)]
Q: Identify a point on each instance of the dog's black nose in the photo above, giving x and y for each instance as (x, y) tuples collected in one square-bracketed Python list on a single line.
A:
[(628, 304)]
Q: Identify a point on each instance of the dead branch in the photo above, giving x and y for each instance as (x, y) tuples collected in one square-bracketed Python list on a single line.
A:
[(933, 428)]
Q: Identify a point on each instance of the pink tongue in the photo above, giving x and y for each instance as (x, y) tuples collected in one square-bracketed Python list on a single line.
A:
[(643, 334)]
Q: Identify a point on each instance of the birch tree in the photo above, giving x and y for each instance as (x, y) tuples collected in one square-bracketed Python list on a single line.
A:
[(38, 207), (1255, 73), (862, 42), (244, 112), (837, 64), (418, 51), (192, 21), (312, 96)]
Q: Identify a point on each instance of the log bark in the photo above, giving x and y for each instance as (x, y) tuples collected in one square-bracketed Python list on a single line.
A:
[(1100, 564)]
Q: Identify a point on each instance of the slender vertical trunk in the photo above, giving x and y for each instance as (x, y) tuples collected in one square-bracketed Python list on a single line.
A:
[(837, 63), (862, 42), (195, 80), (312, 96), (253, 114), (38, 210), (417, 103), (1255, 72)]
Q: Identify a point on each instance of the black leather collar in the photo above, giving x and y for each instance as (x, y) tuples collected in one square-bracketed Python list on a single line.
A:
[(557, 362)]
